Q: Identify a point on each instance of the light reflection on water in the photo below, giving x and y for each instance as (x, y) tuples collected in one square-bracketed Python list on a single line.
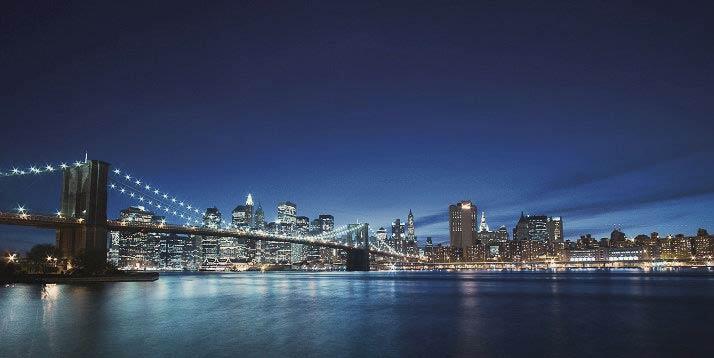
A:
[(363, 314)]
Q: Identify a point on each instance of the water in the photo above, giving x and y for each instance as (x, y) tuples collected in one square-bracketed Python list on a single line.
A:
[(365, 314)]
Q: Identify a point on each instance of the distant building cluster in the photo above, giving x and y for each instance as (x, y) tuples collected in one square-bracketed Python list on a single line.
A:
[(534, 238), (159, 251), (401, 240), (539, 238)]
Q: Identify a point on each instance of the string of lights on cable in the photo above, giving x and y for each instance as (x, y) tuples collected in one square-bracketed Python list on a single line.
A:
[(37, 169), (147, 199)]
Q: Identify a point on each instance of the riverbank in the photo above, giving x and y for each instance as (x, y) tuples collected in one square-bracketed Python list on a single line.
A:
[(68, 279)]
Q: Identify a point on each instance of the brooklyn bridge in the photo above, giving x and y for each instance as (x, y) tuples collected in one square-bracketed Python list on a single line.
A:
[(82, 223)]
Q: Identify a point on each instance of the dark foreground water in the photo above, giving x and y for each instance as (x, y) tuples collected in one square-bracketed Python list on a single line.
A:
[(365, 315)]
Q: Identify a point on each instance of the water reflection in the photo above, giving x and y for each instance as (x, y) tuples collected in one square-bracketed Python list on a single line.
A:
[(374, 314)]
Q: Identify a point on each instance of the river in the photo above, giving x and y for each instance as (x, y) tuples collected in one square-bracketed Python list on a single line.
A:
[(374, 314)]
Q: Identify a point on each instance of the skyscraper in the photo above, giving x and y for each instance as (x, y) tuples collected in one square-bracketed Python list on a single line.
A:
[(502, 234), (462, 224), (242, 215), (412, 247), (287, 212), (538, 227), (555, 229), (410, 225), (327, 222), (484, 234), (398, 235), (259, 218), (382, 234), (210, 249), (483, 226)]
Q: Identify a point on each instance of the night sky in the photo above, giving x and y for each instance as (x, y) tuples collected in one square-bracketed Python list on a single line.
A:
[(598, 113)]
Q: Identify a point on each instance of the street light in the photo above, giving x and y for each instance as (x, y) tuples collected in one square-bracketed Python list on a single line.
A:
[(11, 258)]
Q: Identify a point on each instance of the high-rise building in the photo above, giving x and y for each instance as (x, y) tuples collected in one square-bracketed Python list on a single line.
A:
[(300, 251), (287, 213), (555, 229), (502, 234), (259, 218), (382, 234), (411, 246), (483, 226), (520, 231), (410, 226), (462, 224), (429, 249), (539, 228), (210, 246), (484, 234), (397, 239), (242, 216), (212, 218), (327, 222)]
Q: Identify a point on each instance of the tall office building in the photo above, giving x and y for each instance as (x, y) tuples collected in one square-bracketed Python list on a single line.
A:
[(483, 226), (484, 234), (410, 226), (134, 250), (210, 246), (287, 213), (411, 246), (212, 218), (259, 218), (382, 234), (502, 234), (242, 215), (300, 251), (462, 224), (539, 228), (555, 229), (398, 235), (327, 222)]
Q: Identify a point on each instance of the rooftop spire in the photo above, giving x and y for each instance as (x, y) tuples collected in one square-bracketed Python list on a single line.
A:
[(483, 227), (249, 200)]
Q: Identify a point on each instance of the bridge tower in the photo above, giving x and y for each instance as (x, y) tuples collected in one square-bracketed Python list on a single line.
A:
[(358, 258), (84, 196)]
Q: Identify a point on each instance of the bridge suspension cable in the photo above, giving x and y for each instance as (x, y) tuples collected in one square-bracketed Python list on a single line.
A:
[(160, 206), (159, 199), (37, 169)]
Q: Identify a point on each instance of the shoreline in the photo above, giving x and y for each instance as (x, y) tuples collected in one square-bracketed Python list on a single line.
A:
[(53, 278)]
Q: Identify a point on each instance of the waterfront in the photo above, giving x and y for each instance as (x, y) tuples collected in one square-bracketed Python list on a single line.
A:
[(365, 314)]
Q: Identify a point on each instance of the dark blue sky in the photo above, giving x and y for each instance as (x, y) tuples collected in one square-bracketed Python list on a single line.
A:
[(600, 113)]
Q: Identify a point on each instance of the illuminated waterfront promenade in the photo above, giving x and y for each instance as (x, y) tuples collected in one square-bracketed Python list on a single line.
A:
[(646, 265)]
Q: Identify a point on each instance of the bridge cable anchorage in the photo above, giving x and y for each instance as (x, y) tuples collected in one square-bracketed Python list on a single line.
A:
[(153, 202), (37, 169)]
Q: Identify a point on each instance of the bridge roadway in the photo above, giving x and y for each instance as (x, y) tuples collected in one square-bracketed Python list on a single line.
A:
[(54, 222)]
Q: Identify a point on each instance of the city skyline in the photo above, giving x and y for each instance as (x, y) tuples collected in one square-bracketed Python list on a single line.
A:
[(362, 112)]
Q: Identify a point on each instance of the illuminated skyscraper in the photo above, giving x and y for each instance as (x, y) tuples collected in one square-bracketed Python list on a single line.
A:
[(462, 224), (410, 244), (327, 222), (483, 226), (242, 216), (287, 212), (397, 239), (210, 248), (259, 218), (555, 229)]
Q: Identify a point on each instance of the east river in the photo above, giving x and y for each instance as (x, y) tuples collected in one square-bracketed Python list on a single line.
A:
[(376, 314)]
